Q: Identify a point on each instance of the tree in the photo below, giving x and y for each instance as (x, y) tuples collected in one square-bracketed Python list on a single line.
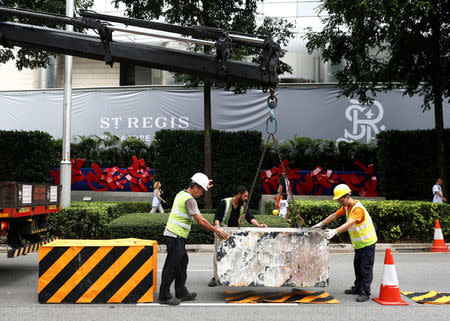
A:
[(228, 15), (28, 57), (390, 44)]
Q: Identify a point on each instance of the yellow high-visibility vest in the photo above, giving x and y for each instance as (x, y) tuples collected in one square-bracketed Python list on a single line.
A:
[(361, 234), (180, 221), (227, 212)]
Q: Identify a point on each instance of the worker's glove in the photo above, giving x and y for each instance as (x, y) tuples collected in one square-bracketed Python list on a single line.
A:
[(329, 233), (318, 225)]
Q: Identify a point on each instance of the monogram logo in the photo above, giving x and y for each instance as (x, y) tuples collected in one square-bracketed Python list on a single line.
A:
[(364, 121)]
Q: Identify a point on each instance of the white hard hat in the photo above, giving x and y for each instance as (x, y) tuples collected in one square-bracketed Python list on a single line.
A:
[(201, 179)]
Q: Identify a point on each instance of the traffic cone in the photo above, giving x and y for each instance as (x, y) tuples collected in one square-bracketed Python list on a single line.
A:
[(389, 289), (438, 242)]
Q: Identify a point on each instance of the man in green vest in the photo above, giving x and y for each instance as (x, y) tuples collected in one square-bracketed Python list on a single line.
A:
[(362, 235), (228, 212), (184, 212)]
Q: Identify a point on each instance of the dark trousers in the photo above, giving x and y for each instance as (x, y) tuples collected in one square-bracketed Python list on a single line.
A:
[(175, 268), (363, 265)]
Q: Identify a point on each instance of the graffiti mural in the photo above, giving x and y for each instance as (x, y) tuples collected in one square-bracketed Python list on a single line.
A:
[(322, 181), (136, 178), (139, 178)]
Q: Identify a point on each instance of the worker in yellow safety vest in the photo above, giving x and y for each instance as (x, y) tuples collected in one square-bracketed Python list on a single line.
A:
[(184, 212), (228, 212), (362, 235)]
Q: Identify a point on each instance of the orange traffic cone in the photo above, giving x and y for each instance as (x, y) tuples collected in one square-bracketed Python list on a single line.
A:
[(389, 290), (438, 242)]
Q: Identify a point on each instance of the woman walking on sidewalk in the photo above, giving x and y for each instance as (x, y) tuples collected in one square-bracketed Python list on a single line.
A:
[(157, 199)]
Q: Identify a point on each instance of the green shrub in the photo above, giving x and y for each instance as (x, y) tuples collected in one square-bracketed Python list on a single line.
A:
[(27, 156), (83, 221), (180, 154), (306, 154), (394, 220), (151, 226), (269, 207), (122, 208), (407, 163), (90, 220)]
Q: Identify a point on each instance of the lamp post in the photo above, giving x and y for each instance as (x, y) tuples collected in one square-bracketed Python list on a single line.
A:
[(66, 166)]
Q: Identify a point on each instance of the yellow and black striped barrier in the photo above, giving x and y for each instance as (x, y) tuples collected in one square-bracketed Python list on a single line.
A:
[(430, 297), (41, 230), (24, 250), (296, 296), (97, 271)]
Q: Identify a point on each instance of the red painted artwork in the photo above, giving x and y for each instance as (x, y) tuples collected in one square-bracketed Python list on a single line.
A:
[(322, 181), (137, 178)]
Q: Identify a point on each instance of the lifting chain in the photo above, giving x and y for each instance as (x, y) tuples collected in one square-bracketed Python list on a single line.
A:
[(272, 102), (284, 173), (244, 212)]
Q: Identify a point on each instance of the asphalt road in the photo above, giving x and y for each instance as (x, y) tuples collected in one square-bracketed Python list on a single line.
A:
[(416, 272)]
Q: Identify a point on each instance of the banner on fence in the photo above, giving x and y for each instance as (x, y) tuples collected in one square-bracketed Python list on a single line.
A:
[(305, 112)]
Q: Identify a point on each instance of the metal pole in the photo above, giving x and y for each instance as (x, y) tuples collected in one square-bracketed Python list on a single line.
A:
[(66, 166), (192, 40), (246, 39)]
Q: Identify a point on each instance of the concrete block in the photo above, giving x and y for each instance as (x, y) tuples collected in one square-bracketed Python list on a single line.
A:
[(272, 257), (97, 271)]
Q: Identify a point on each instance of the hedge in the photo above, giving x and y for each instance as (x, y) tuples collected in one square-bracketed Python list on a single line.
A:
[(407, 163), (90, 220), (180, 154), (395, 221), (151, 226), (306, 154), (83, 220), (26, 156)]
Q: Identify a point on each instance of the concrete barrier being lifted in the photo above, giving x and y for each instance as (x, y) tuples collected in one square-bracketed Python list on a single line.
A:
[(272, 257)]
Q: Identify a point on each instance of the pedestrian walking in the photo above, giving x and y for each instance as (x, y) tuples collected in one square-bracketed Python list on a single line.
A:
[(362, 235), (157, 199), (437, 192)]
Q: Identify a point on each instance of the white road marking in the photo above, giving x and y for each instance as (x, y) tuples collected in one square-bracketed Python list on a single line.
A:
[(234, 305), (208, 270)]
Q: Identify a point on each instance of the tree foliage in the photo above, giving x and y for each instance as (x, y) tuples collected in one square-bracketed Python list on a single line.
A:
[(390, 44), (228, 15), (387, 44), (28, 57)]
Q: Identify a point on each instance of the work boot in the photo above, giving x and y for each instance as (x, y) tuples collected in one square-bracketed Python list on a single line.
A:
[(171, 301), (363, 297), (352, 290), (212, 282), (188, 296)]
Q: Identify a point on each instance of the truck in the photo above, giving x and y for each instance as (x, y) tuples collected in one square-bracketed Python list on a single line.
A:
[(24, 212)]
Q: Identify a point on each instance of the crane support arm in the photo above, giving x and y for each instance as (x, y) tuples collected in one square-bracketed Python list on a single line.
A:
[(103, 47)]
